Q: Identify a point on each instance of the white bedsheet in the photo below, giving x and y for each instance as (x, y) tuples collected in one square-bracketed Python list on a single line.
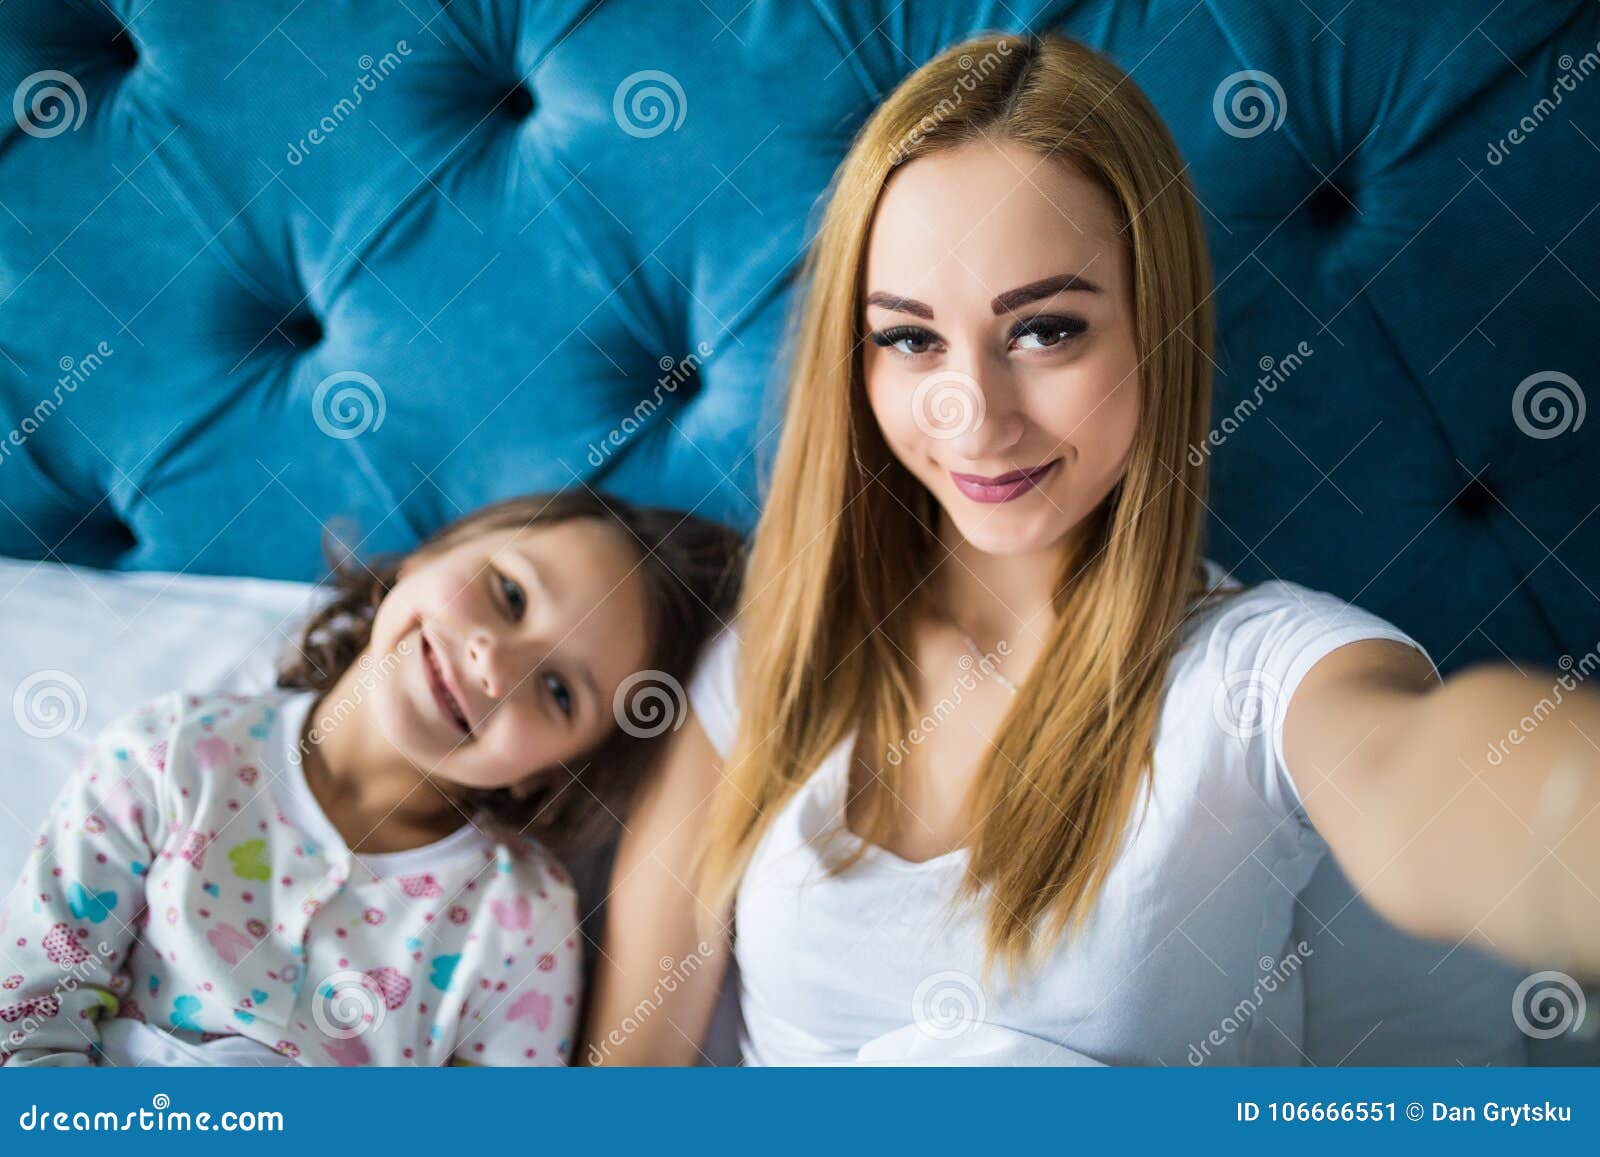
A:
[(82, 647)]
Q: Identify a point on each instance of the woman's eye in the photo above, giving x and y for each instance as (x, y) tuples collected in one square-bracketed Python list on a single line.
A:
[(516, 601), (909, 340), (560, 693), (1042, 333)]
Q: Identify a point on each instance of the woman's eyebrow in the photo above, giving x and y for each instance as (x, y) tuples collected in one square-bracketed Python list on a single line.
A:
[(901, 304), (1013, 299)]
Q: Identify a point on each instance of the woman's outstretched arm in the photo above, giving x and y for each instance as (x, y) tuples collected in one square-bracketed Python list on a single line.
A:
[(1468, 809), (658, 975)]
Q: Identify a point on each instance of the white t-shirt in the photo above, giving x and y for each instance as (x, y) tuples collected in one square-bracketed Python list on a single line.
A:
[(1188, 956)]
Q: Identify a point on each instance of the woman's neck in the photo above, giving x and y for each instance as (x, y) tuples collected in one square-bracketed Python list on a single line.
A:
[(998, 597), (376, 801)]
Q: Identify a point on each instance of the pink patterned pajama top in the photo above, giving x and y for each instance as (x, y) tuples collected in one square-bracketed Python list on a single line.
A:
[(187, 879)]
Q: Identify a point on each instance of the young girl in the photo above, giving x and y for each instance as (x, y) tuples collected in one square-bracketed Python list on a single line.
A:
[(1094, 853), (362, 867)]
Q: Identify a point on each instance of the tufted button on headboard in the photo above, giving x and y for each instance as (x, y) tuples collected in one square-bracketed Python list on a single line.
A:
[(267, 267)]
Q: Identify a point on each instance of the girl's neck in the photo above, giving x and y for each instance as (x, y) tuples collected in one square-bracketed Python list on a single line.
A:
[(376, 801)]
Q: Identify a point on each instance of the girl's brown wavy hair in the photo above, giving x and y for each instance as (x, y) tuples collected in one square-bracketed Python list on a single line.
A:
[(691, 570)]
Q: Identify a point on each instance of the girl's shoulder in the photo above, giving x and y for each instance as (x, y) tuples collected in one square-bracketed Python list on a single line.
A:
[(176, 728)]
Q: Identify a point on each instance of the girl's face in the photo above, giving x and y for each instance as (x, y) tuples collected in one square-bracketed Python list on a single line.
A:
[(1000, 362), (500, 656)]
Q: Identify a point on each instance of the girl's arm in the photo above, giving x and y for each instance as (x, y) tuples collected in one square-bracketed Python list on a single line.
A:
[(68, 923), (657, 977), (1467, 809)]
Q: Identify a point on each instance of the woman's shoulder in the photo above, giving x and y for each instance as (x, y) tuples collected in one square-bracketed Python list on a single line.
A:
[(713, 691), (1233, 618)]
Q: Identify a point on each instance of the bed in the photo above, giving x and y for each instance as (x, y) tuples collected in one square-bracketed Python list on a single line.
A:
[(267, 269)]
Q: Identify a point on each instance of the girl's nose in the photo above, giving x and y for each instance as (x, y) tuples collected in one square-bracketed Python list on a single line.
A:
[(483, 654)]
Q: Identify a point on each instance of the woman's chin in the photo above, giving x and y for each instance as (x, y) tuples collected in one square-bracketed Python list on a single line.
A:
[(1004, 534)]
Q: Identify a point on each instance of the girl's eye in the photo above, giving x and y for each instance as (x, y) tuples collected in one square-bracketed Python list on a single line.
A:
[(516, 601), (910, 340), (1043, 333), (560, 693)]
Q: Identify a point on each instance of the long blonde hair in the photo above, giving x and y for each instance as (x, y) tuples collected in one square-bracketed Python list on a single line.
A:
[(846, 537)]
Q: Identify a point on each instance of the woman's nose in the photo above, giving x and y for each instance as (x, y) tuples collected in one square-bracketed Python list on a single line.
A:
[(983, 423)]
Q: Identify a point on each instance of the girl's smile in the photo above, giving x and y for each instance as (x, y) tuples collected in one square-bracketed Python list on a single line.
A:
[(444, 686)]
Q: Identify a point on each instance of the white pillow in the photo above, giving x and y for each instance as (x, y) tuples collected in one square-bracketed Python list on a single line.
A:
[(82, 647)]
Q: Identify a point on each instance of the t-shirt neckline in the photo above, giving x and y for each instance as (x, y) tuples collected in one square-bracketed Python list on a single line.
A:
[(295, 798)]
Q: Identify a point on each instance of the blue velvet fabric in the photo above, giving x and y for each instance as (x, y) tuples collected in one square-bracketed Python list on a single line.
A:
[(558, 240)]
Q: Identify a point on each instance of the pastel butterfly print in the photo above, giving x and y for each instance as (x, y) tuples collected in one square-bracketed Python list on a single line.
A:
[(40, 1007), (89, 905), (348, 1053), (229, 943), (513, 915), (62, 947), (212, 752), (534, 1006), (422, 886), (184, 1009)]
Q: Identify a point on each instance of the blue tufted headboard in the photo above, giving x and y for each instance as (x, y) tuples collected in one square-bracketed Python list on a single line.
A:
[(265, 265)]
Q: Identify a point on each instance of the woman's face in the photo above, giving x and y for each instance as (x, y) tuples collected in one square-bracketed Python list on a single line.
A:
[(501, 656), (1000, 361)]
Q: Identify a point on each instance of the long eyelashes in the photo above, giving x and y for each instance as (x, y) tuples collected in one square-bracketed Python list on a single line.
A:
[(1050, 331), (1062, 329), (893, 336)]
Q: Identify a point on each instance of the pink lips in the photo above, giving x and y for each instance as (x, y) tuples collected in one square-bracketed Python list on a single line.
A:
[(442, 686), (1003, 488)]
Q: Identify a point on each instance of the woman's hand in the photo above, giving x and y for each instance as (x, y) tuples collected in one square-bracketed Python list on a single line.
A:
[(1451, 815), (658, 975)]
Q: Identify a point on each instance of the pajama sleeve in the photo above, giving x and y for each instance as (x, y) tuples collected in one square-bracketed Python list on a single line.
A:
[(68, 924), (522, 1009)]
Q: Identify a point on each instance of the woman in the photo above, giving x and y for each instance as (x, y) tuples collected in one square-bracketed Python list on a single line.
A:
[(991, 764)]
